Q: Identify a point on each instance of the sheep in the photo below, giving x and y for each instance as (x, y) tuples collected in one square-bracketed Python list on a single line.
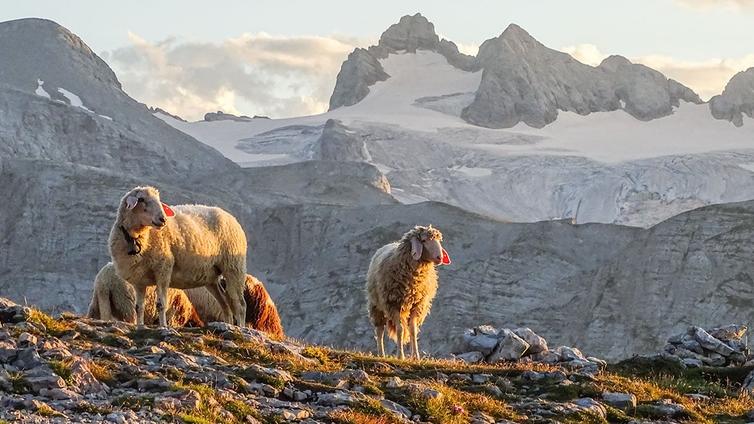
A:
[(401, 283), (114, 298), (261, 313), (182, 247)]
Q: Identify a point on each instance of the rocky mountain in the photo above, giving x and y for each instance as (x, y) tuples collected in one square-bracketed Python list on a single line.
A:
[(362, 69), (553, 81), (736, 100)]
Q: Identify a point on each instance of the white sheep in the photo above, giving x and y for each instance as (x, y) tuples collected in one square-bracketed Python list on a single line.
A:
[(181, 247), (114, 299), (401, 283)]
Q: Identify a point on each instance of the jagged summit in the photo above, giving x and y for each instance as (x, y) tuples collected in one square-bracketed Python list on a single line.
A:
[(410, 33), (363, 69), (736, 100)]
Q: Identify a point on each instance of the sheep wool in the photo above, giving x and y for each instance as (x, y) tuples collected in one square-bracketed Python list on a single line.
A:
[(114, 299), (401, 284), (181, 247)]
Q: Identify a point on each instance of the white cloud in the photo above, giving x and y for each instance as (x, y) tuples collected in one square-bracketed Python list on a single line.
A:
[(725, 4), (253, 74), (707, 77)]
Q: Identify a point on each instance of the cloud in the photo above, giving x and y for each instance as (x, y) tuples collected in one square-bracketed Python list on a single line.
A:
[(253, 74), (707, 77), (724, 4)]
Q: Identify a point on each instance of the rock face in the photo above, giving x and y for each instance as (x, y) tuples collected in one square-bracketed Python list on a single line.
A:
[(516, 63), (357, 73), (59, 129), (222, 116), (736, 100), (338, 143), (362, 68)]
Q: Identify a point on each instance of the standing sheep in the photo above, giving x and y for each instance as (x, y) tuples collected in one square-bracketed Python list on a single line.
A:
[(193, 248), (114, 299), (261, 313), (401, 283)]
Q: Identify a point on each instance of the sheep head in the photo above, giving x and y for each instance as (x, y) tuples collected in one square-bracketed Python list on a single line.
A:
[(141, 207), (426, 245)]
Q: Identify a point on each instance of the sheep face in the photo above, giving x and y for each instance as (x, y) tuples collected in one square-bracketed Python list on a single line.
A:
[(426, 246), (145, 208)]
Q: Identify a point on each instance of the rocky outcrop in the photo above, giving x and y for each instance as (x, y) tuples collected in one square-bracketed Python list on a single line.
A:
[(524, 81), (338, 143), (491, 345), (222, 116), (720, 346), (736, 100), (357, 73), (362, 68)]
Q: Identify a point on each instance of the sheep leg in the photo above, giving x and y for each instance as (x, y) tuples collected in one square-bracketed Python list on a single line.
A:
[(399, 339), (103, 299), (221, 300), (379, 335), (141, 292), (162, 301), (412, 331), (236, 282)]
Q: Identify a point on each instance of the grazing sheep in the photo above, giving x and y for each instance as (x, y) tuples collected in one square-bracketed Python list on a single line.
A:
[(114, 299), (261, 313), (401, 283), (182, 247)]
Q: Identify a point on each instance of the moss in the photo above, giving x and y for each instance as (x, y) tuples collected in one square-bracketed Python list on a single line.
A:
[(18, 382), (584, 417), (241, 410), (102, 371), (193, 419), (62, 369), (52, 326), (133, 402), (617, 416), (90, 408), (251, 374), (357, 417), (46, 411)]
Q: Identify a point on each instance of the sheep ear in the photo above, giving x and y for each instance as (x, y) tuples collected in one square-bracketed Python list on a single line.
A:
[(131, 202), (168, 210), (416, 248), (445, 257)]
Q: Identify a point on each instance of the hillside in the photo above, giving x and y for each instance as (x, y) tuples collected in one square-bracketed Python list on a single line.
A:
[(77, 370)]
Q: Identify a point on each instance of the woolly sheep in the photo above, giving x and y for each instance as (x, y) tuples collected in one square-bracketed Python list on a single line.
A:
[(261, 313), (114, 299), (401, 283), (182, 247)]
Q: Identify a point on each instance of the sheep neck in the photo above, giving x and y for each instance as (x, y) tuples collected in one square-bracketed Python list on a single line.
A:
[(136, 239)]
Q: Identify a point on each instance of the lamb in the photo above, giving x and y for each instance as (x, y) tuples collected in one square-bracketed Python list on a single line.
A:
[(182, 247), (401, 284), (261, 313), (114, 298)]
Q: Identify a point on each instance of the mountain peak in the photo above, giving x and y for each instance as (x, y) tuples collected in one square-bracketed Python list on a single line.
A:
[(410, 33), (736, 100), (614, 62)]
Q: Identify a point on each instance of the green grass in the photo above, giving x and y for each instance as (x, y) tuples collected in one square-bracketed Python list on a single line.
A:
[(62, 369)]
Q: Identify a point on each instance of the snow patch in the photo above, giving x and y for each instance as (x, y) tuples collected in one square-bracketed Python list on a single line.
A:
[(40, 91), (74, 100)]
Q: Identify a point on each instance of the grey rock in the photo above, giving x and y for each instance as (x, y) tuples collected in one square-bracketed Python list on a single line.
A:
[(338, 143), (570, 353), (736, 100), (729, 333), (692, 362), (26, 359), (393, 382), (222, 116), (357, 73), (509, 348), (473, 357), (536, 342), (481, 343), (666, 408), (592, 406), (83, 380), (710, 343), (26, 340), (623, 401), (337, 398), (396, 408)]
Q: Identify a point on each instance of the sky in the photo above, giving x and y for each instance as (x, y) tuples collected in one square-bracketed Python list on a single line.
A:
[(280, 58)]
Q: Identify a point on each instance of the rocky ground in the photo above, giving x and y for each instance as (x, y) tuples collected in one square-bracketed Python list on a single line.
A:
[(72, 369)]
